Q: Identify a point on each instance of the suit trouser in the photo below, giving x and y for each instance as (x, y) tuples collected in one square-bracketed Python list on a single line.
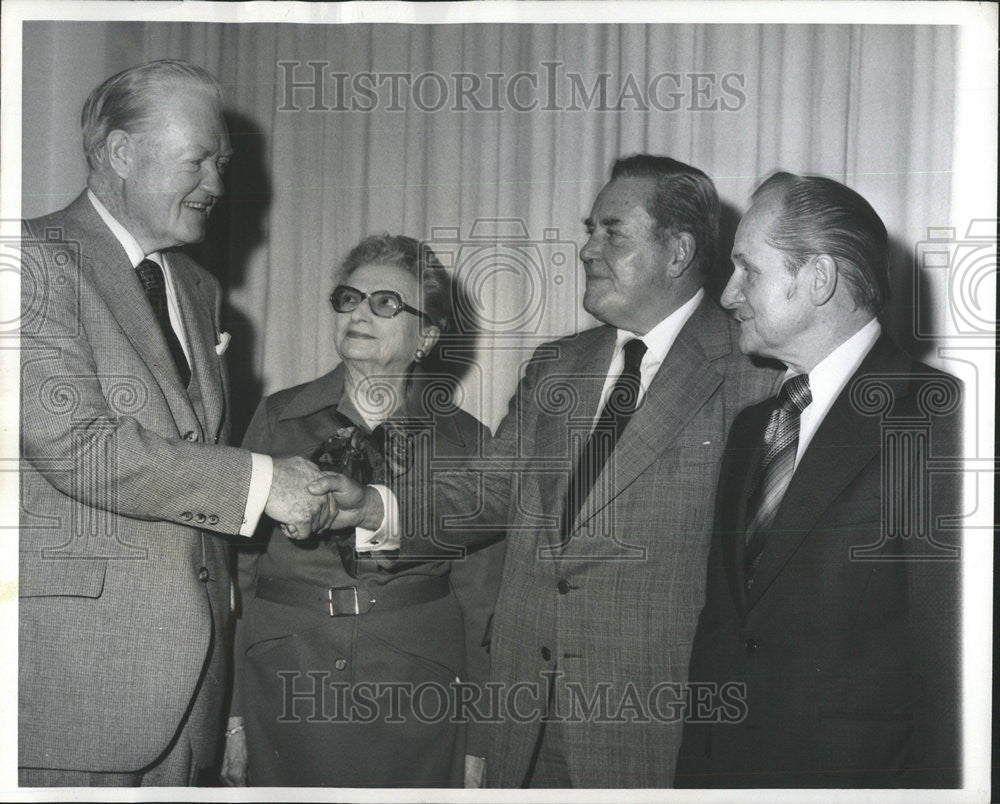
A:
[(176, 767), (548, 766)]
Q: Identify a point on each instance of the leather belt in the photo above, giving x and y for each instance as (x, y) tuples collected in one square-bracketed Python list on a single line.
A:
[(351, 601)]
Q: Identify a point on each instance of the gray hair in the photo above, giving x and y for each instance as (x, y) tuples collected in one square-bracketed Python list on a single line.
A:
[(822, 216), (415, 258), (128, 100)]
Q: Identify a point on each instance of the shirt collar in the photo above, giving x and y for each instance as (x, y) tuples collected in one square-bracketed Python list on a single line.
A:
[(831, 374), (661, 337), (132, 248)]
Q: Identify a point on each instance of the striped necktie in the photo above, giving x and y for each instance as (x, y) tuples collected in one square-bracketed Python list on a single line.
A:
[(781, 439), (151, 276)]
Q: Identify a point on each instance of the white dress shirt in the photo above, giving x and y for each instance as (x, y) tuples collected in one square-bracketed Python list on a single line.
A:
[(828, 378), (658, 342), (262, 467)]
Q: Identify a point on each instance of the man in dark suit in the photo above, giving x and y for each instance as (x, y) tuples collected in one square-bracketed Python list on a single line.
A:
[(125, 480), (833, 594), (602, 475)]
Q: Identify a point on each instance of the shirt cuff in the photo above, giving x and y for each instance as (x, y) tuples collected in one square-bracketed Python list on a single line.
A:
[(386, 536), (261, 472)]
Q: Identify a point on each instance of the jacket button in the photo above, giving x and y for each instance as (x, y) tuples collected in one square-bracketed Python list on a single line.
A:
[(750, 645), (200, 518), (186, 516), (340, 664), (563, 587), (190, 435), (213, 519), (546, 654), (203, 574)]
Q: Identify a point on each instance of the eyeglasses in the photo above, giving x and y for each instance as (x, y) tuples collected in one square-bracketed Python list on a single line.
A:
[(383, 303)]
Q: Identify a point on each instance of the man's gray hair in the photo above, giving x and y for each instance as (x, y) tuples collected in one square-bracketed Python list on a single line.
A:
[(128, 100), (821, 216)]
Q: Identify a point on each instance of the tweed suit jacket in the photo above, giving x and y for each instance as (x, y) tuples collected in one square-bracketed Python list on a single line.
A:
[(846, 645), (608, 610), (123, 595)]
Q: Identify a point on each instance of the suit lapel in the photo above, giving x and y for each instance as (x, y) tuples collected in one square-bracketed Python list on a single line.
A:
[(199, 328), (105, 263), (562, 436), (685, 381), (844, 444), (745, 452)]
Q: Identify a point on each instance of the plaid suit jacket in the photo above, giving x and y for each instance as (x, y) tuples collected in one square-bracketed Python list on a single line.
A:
[(607, 612), (125, 484)]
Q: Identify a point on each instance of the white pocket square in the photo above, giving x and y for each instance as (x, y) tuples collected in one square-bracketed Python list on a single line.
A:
[(223, 344)]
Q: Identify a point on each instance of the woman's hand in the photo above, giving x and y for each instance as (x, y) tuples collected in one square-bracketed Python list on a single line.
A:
[(234, 760), (355, 505)]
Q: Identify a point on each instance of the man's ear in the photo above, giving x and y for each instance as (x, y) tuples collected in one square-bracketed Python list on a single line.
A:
[(824, 279), (120, 148), (682, 254)]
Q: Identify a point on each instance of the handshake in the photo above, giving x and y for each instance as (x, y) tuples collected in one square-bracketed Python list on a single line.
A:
[(305, 500)]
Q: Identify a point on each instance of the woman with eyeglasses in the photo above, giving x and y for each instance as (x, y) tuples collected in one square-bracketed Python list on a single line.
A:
[(348, 662)]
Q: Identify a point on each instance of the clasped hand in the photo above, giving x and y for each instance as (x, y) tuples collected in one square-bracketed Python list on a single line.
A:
[(303, 499)]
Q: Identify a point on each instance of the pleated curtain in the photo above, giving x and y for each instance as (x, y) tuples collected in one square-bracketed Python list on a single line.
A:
[(500, 193)]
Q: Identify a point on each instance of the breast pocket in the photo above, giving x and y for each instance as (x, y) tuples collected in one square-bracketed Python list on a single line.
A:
[(690, 469)]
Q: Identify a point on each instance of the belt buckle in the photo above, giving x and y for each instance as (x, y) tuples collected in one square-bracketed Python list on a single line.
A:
[(329, 596)]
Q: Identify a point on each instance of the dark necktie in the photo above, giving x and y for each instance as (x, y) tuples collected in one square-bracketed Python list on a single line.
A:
[(781, 440), (151, 276), (622, 403)]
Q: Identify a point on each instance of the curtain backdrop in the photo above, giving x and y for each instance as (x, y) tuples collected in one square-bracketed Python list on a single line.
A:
[(499, 183)]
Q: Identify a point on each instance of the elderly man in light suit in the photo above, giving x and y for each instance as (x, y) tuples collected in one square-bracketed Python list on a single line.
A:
[(833, 588), (126, 485), (603, 474)]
